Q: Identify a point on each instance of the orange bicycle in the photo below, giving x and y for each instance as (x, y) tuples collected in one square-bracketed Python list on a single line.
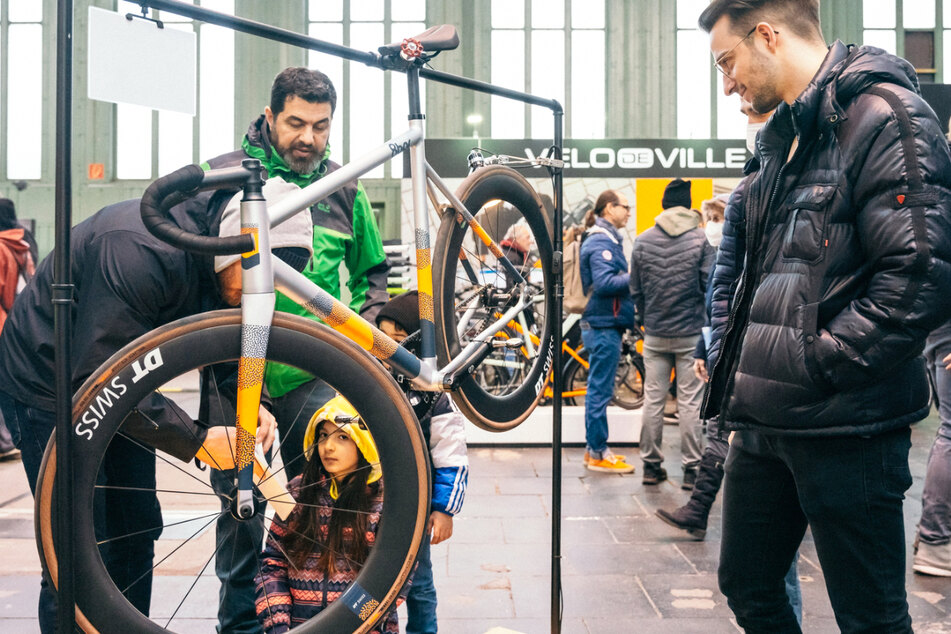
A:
[(505, 367)]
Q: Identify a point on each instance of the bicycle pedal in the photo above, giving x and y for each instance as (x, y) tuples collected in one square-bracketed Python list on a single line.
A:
[(512, 342)]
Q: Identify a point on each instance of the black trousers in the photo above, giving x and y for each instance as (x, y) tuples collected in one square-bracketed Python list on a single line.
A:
[(849, 491), (128, 518)]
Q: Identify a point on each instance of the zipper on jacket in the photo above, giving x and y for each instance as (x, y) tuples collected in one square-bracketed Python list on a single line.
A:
[(727, 389)]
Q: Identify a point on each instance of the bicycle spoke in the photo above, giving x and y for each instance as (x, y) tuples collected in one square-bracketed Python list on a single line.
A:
[(112, 487), (163, 526), (165, 558), (219, 399), (161, 457), (190, 588), (187, 422)]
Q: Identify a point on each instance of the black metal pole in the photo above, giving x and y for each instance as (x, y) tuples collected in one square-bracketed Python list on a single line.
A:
[(556, 384), (62, 317), (244, 25)]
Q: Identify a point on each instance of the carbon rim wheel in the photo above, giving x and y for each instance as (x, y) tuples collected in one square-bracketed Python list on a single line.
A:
[(474, 289), (154, 367)]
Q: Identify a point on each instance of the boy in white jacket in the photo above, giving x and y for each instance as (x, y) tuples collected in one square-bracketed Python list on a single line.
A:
[(444, 429)]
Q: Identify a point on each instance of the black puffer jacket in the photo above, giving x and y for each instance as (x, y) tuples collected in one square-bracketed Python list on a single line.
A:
[(670, 263), (848, 258), (731, 258)]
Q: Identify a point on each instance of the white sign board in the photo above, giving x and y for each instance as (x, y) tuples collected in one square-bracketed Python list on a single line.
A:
[(134, 61)]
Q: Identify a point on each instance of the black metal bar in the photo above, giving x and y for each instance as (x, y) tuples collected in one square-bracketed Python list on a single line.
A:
[(481, 86), (259, 29), (557, 382), (62, 316), (369, 58)]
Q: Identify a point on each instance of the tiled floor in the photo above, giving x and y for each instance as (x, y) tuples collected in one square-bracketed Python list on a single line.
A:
[(622, 569)]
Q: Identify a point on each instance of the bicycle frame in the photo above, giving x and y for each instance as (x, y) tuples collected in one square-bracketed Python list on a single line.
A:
[(262, 275)]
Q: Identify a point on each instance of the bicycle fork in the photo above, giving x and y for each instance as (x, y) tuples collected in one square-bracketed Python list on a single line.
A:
[(257, 311)]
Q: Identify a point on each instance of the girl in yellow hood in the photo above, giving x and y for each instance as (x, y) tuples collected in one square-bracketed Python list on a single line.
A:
[(310, 559)]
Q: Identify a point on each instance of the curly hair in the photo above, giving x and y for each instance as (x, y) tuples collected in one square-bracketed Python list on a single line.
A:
[(306, 83)]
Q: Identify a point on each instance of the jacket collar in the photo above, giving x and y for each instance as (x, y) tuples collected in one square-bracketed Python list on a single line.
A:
[(846, 71), (604, 224), (812, 107)]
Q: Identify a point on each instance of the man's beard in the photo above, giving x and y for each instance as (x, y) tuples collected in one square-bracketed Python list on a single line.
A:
[(300, 166), (766, 97)]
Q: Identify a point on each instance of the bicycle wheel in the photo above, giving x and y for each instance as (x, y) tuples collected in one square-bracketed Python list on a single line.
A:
[(504, 368), (576, 379), (629, 381), (472, 290), (190, 508)]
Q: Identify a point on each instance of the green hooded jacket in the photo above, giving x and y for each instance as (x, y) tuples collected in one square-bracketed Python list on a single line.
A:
[(345, 232)]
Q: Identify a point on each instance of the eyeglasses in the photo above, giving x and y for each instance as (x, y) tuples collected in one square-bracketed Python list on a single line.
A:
[(626, 207), (719, 63)]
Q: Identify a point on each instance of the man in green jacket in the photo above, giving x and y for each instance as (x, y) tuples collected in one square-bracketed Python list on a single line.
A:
[(291, 141)]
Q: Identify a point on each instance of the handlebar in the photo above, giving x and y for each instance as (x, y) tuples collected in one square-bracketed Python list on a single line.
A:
[(184, 183)]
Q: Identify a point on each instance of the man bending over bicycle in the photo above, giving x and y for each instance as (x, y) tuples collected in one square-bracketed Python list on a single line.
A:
[(127, 282)]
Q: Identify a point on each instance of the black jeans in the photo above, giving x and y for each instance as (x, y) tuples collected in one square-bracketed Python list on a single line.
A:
[(849, 490), (128, 513)]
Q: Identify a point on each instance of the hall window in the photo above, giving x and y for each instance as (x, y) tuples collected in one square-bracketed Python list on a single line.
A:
[(909, 29), (362, 119), (703, 111), (21, 108), (150, 143), (531, 41)]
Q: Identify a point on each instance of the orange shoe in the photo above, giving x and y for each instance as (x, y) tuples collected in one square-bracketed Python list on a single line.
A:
[(587, 456), (610, 464)]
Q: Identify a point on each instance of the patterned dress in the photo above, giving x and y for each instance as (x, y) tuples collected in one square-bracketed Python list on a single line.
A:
[(288, 596)]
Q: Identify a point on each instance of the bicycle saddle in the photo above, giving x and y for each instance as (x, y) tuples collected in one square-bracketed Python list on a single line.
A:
[(433, 40)]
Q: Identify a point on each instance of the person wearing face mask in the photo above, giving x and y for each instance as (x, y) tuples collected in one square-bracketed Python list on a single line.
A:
[(712, 212), (723, 216)]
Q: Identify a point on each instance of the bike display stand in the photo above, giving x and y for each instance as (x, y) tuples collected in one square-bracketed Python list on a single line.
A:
[(63, 289), (62, 312)]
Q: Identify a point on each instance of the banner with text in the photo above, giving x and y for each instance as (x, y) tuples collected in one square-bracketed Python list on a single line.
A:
[(603, 158)]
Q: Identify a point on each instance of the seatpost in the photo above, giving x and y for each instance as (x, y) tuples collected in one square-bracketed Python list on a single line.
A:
[(424, 271)]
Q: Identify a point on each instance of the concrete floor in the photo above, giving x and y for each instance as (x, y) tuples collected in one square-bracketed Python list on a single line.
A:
[(623, 570)]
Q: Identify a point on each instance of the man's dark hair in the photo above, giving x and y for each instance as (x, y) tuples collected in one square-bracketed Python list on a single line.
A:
[(800, 16), (308, 84)]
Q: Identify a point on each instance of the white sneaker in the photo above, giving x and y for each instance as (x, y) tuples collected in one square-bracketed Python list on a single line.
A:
[(933, 559)]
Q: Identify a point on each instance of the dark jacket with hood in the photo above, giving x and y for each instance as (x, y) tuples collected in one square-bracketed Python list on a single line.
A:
[(726, 272), (604, 275), (848, 263), (127, 282), (670, 263)]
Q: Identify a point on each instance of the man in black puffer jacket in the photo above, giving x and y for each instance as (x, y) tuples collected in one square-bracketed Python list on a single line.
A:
[(670, 263), (848, 231)]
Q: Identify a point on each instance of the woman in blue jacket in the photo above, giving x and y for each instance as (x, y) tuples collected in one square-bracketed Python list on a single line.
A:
[(610, 311)]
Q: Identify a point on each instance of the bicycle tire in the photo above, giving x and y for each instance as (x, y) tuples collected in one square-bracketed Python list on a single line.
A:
[(576, 378), (628, 381), (215, 337), (501, 411)]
